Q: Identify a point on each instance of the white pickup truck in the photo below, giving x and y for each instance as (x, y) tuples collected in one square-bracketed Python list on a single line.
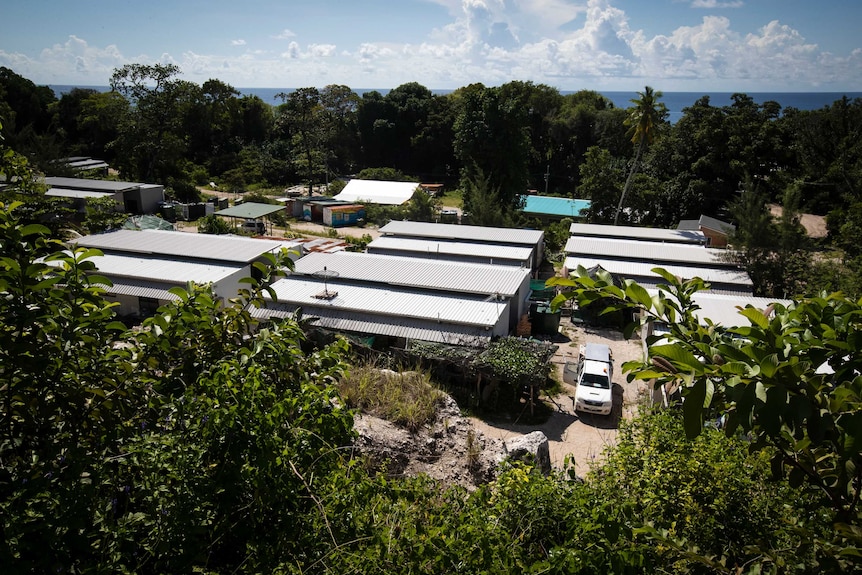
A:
[(594, 392)]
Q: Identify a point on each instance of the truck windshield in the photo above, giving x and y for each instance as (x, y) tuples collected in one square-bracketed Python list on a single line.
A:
[(595, 380)]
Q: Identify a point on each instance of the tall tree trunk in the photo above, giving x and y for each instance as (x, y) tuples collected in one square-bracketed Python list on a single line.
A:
[(632, 173)]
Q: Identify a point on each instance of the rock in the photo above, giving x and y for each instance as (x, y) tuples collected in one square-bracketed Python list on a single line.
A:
[(531, 448), (448, 449)]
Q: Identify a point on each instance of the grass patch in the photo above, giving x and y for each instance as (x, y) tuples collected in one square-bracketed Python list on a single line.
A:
[(452, 199), (408, 399)]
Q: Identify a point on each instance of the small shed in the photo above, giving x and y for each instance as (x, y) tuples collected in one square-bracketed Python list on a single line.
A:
[(378, 192), (715, 230), (343, 215), (250, 211)]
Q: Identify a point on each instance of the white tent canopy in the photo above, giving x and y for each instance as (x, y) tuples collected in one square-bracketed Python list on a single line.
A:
[(377, 192)]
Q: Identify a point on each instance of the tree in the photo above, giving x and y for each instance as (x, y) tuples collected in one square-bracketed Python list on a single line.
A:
[(136, 458), (492, 145), (341, 105), (787, 377), (600, 177), (304, 121), (152, 141), (213, 224), (98, 123), (644, 122), (773, 253), (102, 214)]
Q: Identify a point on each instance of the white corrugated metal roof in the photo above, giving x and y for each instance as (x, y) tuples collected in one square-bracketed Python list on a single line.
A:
[(638, 233), (723, 309), (390, 302), (634, 270), (429, 246), (654, 252), (357, 322), (421, 273), (465, 233), (140, 288), (377, 192), (67, 193), (91, 185), (162, 269), (225, 248)]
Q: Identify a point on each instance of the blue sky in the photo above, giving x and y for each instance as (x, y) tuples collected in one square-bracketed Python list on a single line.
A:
[(671, 45)]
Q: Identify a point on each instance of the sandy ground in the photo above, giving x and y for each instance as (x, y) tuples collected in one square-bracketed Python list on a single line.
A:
[(815, 226), (582, 437)]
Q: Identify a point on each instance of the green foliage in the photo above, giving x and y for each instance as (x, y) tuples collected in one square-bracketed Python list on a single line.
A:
[(557, 234), (517, 361), (408, 398), (119, 453), (600, 177), (491, 141), (770, 377), (710, 492), (772, 252), (102, 215), (213, 224), (386, 174)]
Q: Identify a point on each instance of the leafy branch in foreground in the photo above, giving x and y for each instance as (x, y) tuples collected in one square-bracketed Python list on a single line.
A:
[(789, 379)]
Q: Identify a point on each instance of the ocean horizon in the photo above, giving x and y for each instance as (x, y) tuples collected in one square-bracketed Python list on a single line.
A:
[(674, 101)]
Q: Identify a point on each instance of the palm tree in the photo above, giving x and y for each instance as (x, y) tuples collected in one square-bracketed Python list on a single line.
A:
[(644, 120)]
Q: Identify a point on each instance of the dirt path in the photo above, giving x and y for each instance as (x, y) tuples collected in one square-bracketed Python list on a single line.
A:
[(582, 437)]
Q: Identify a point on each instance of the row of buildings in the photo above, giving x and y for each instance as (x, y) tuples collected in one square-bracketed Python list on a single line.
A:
[(445, 283)]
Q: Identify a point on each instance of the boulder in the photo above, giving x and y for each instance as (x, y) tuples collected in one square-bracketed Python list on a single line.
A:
[(531, 448)]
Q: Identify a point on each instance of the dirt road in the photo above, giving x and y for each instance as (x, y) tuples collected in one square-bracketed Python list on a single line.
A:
[(583, 437)]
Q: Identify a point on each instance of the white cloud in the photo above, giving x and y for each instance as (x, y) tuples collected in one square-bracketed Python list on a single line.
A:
[(321, 50), (292, 51), (570, 44), (717, 4), (284, 35)]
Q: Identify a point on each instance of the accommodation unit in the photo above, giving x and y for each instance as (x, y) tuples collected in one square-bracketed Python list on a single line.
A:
[(634, 259), (493, 283), (695, 237), (431, 249), (393, 314), (340, 216), (377, 192), (145, 264), (533, 240), (716, 231), (131, 197), (720, 310), (140, 284)]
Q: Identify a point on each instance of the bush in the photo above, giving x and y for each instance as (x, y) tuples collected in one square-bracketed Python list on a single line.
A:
[(407, 399), (710, 492)]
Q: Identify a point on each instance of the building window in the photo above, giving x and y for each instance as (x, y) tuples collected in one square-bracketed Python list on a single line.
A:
[(148, 306)]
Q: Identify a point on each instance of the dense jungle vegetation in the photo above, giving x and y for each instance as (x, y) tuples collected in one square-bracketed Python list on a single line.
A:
[(203, 443)]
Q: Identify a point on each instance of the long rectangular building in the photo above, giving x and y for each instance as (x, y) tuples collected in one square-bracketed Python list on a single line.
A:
[(694, 237), (222, 248), (501, 255), (434, 276), (720, 279), (399, 314), (532, 239), (646, 251), (144, 265)]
